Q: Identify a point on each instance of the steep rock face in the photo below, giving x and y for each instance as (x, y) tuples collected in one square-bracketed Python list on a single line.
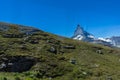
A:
[(80, 34), (79, 31)]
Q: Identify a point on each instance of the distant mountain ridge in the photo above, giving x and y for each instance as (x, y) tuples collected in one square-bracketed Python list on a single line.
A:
[(81, 34), (21, 28)]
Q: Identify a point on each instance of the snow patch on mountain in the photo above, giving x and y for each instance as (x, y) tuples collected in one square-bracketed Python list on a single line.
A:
[(105, 39), (91, 36), (78, 37)]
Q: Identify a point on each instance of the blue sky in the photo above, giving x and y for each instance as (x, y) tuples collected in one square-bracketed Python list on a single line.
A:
[(99, 17)]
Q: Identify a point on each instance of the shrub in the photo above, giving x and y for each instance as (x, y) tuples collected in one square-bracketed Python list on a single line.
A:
[(5, 78), (17, 78)]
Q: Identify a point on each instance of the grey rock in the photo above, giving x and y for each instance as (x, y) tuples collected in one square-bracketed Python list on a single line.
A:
[(69, 47), (53, 50), (99, 52), (73, 61), (34, 41), (4, 27), (3, 65), (13, 35)]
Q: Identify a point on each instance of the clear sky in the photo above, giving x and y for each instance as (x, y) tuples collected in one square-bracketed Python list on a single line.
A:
[(99, 17)]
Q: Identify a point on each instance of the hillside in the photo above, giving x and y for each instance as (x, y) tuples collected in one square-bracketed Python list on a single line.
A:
[(27, 53)]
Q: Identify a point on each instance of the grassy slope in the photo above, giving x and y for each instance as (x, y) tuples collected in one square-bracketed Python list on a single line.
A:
[(89, 64)]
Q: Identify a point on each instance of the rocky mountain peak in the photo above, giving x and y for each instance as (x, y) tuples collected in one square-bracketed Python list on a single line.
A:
[(81, 34), (79, 30)]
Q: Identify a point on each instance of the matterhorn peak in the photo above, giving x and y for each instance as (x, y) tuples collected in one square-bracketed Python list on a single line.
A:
[(79, 27), (79, 30), (81, 34)]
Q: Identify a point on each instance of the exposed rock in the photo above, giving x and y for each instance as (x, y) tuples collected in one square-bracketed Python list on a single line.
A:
[(16, 63), (53, 50), (95, 65), (10, 64), (13, 35), (23, 47), (85, 73), (73, 61), (99, 52), (34, 41), (31, 32), (3, 66), (4, 27), (4, 59), (69, 47), (31, 40), (26, 38)]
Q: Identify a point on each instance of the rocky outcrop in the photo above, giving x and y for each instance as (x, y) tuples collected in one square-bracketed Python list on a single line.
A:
[(16, 63), (69, 47), (13, 35)]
